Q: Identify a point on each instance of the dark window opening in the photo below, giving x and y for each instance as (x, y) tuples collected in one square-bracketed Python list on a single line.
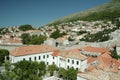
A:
[(35, 58), (72, 61), (23, 59), (44, 57), (39, 57), (77, 62), (29, 59), (53, 57), (68, 60), (47, 63), (47, 56), (67, 67)]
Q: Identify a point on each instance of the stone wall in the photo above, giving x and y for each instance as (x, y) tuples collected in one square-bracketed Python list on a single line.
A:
[(9, 47)]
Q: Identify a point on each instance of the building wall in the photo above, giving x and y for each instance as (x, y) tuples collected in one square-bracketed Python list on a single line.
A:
[(46, 57), (118, 50), (59, 61), (9, 47), (77, 64), (91, 54)]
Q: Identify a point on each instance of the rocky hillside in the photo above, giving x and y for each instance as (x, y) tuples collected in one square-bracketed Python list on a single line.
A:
[(108, 11)]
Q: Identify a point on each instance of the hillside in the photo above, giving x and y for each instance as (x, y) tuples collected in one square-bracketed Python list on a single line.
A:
[(108, 11)]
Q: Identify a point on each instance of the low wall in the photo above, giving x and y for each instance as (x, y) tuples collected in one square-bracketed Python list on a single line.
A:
[(9, 47)]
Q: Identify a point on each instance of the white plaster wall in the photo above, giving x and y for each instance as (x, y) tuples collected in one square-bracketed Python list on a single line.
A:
[(20, 58), (75, 65), (118, 50), (62, 62), (83, 65), (58, 60)]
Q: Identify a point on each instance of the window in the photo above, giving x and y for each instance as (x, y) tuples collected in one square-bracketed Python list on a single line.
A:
[(30, 59), (43, 56), (23, 59), (35, 58), (47, 56), (39, 57), (77, 69), (77, 62), (53, 57), (67, 67), (68, 60), (47, 63), (72, 61)]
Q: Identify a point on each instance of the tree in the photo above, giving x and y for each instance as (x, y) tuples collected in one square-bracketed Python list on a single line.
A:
[(37, 39), (51, 69), (56, 34), (7, 65), (63, 73), (3, 53), (42, 68), (114, 54), (26, 27), (72, 74), (8, 76), (34, 39), (25, 38), (28, 70)]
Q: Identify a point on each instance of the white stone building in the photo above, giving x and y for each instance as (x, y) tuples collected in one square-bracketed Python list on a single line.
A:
[(50, 55), (71, 59)]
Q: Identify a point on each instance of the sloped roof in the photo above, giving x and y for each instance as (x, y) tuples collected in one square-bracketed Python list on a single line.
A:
[(34, 49), (95, 49), (74, 53)]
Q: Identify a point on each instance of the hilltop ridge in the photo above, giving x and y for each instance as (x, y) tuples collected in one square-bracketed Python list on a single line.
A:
[(108, 11)]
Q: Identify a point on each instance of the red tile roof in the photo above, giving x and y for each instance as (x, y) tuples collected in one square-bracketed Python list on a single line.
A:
[(91, 59), (55, 53), (34, 49), (11, 40), (74, 53), (108, 63), (95, 49)]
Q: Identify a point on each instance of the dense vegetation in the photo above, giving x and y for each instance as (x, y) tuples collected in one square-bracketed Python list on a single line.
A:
[(4, 30), (34, 39), (3, 53), (26, 27), (52, 68), (81, 32), (1, 29), (98, 37), (101, 35), (29, 70), (56, 34), (114, 54), (70, 74)]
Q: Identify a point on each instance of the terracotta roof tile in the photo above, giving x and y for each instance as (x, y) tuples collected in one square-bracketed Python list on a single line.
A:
[(34, 49), (95, 49), (108, 63), (74, 53), (55, 53), (11, 40), (91, 59)]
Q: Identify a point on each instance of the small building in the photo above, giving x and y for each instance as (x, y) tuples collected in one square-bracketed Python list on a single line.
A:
[(94, 51), (33, 53), (71, 59)]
